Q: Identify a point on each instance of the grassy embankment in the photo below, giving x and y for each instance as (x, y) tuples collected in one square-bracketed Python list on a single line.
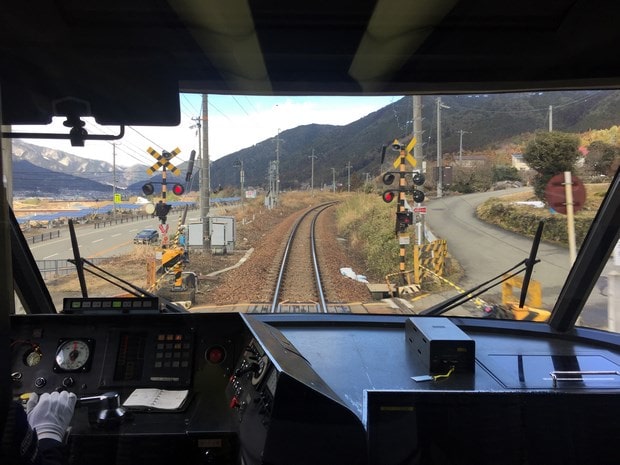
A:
[(523, 219), (367, 223)]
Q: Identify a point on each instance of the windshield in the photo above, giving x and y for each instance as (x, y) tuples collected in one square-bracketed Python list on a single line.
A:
[(408, 200)]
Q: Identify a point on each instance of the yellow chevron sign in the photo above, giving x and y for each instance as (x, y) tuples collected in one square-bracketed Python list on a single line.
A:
[(163, 161), (411, 145), (408, 158)]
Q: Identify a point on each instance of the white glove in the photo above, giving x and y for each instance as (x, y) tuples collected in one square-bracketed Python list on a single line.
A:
[(50, 414)]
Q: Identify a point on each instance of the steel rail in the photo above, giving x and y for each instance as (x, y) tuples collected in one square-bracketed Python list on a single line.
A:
[(283, 264), (315, 263)]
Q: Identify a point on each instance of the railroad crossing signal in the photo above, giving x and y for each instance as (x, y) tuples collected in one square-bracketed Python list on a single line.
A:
[(163, 161), (178, 189), (404, 217), (417, 178)]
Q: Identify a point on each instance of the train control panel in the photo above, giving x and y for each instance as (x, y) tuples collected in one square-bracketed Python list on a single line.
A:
[(232, 388)]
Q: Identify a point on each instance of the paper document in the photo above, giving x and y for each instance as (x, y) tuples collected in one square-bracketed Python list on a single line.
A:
[(156, 399)]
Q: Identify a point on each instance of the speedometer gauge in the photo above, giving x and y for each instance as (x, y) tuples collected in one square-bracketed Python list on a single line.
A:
[(73, 355)]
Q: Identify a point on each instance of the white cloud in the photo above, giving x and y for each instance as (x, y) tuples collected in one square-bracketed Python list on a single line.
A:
[(234, 123)]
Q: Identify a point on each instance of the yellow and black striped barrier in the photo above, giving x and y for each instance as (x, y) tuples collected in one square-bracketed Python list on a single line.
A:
[(476, 300), (429, 257)]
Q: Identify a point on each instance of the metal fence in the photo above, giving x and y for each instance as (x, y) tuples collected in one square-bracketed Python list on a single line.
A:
[(51, 269), (120, 220), (34, 238)]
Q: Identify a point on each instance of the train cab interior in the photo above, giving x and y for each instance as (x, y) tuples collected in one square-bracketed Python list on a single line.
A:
[(295, 389)]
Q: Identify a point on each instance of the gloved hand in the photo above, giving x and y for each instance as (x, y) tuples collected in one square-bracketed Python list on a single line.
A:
[(50, 414)]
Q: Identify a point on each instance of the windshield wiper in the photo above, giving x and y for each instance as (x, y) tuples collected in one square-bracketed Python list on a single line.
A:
[(530, 262), (465, 296), (129, 287)]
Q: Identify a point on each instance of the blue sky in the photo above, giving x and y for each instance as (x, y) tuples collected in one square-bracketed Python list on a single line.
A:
[(234, 123)]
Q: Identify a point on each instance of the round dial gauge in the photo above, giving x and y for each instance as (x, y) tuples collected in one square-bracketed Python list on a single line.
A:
[(32, 358), (73, 355)]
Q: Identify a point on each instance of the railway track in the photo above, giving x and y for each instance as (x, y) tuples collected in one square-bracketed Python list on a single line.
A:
[(280, 274), (298, 283)]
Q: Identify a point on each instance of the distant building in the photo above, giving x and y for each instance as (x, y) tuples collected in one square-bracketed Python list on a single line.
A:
[(518, 162), (471, 161)]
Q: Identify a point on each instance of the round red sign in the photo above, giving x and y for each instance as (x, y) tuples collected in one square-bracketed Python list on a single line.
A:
[(555, 193)]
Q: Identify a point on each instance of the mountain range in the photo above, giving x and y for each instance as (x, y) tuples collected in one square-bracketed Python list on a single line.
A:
[(480, 122)]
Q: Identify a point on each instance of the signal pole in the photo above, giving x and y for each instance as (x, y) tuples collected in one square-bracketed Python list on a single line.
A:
[(403, 239), (334, 180), (419, 158)]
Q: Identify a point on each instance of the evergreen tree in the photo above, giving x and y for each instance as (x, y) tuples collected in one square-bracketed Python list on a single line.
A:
[(550, 153), (601, 157)]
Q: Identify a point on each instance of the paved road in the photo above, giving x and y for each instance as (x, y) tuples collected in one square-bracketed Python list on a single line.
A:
[(107, 241), (485, 250)]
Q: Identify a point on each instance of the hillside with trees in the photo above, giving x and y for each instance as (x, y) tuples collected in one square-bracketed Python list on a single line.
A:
[(494, 126), (491, 127)]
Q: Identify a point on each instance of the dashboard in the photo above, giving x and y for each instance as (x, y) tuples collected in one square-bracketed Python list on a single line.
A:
[(329, 389)]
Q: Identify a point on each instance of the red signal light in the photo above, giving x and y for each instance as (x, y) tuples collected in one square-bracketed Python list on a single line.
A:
[(388, 196), (178, 189), (405, 218)]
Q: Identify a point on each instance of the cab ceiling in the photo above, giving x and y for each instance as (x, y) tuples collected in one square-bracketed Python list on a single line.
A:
[(124, 62)]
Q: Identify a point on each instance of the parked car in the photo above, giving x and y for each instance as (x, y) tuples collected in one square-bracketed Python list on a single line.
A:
[(146, 236)]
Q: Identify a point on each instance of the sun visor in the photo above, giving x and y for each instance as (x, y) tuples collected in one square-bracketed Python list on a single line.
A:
[(132, 97)]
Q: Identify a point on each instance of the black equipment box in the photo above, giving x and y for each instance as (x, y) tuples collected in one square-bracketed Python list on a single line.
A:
[(440, 344)]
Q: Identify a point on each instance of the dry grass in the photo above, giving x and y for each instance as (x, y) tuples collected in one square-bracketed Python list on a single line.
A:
[(254, 221)]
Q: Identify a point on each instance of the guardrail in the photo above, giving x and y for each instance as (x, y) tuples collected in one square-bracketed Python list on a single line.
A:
[(129, 218), (43, 237), (120, 220), (54, 268)]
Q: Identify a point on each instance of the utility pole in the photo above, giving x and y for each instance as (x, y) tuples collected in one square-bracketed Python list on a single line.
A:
[(461, 132), (114, 179), (334, 180), (239, 164), (439, 155), (242, 176), (312, 158), (550, 118), (348, 166), (205, 178), (278, 165), (270, 199), (417, 131)]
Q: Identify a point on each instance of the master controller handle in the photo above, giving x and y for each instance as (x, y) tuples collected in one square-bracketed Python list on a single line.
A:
[(104, 410)]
